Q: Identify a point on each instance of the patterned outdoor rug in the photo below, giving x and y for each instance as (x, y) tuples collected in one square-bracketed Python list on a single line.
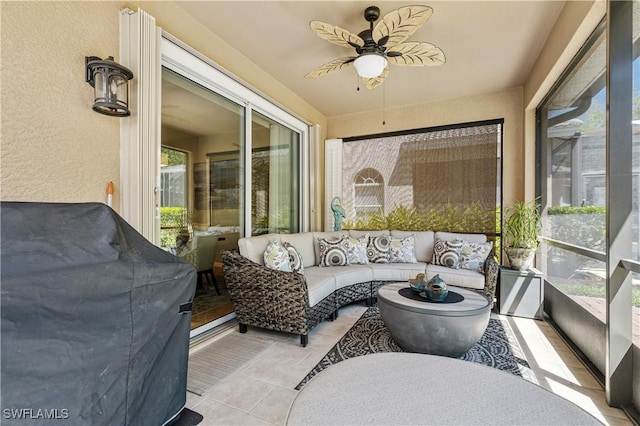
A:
[(497, 347)]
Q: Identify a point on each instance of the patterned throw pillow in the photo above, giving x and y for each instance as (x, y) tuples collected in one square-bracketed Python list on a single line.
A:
[(357, 253), (378, 249), (473, 255), (276, 257), (447, 253), (334, 253), (295, 258), (402, 250)]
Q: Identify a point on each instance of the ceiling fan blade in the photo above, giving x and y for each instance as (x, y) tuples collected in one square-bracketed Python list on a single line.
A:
[(416, 53), (398, 25), (372, 83), (336, 35), (335, 65)]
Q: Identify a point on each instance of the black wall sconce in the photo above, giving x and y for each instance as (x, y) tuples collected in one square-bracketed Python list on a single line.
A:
[(110, 82)]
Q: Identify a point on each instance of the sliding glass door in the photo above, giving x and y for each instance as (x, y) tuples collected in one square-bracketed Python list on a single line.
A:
[(201, 210), (241, 162), (275, 182)]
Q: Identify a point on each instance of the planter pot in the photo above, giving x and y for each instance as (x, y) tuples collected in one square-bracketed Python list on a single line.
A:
[(520, 258)]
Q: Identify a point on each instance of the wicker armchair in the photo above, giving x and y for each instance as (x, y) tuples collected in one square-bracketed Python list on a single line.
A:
[(271, 299)]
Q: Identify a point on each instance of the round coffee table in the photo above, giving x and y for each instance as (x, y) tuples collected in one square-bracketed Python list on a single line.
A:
[(448, 329), (415, 389)]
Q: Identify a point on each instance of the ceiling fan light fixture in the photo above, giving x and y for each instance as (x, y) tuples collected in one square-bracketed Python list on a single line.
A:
[(370, 65)]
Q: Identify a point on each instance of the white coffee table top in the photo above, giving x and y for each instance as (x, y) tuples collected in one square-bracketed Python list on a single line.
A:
[(474, 303)]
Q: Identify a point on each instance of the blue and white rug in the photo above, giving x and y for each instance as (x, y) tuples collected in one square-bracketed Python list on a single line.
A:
[(497, 348)]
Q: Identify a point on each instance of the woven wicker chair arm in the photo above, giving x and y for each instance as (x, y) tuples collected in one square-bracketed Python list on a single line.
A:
[(260, 273), (491, 269), (265, 297)]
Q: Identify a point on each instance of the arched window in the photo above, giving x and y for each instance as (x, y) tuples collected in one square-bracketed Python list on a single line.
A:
[(368, 190)]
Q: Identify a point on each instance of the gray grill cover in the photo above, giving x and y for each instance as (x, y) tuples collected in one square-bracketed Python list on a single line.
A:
[(91, 328)]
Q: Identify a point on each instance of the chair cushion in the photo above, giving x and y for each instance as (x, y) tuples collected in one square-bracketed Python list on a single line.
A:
[(276, 257), (396, 271), (452, 236), (473, 255), (352, 274), (378, 249), (357, 253), (321, 283), (456, 277), (424, 241), (295, 258), (331, 236), (402, 250), (357, 233), (334, 252), (253, 247), (303, 242), (447, 253)]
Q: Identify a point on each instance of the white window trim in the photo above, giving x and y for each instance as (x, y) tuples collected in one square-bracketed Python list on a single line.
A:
[(145, 48), (140, 132), (332, 178)]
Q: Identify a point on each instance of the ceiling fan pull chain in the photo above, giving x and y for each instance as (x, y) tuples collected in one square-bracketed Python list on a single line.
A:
[(384, 92)]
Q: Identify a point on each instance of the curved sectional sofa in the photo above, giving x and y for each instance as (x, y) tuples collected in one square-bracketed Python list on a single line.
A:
[(296, 302)]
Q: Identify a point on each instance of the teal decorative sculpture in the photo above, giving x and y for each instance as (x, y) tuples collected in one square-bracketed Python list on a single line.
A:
[(338, 214), (436, 289)]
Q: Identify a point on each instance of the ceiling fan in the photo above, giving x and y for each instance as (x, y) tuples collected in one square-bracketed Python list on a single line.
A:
[(380, 45)]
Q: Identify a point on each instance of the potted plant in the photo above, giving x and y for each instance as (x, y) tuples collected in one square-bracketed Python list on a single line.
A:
[(520, 233)]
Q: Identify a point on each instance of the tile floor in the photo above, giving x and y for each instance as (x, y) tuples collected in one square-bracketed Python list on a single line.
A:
[(263, 390)]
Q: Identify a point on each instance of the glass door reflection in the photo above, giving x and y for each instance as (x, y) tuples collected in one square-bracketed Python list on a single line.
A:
[(201, 211)]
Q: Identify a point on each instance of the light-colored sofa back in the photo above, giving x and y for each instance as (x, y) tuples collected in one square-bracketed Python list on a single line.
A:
[(307, 242)]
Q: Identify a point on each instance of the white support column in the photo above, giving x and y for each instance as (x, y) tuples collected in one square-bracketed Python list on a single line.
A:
[(332, 178), (140, 132), (313, 198)]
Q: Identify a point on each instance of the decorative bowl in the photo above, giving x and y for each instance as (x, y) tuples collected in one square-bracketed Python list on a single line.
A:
[(436, 289), (418, 283)]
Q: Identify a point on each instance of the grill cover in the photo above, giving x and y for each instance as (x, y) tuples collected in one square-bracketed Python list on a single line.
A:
[(95, 319)]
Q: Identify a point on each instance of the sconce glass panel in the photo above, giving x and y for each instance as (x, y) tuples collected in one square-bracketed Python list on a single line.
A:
[(111, 89)]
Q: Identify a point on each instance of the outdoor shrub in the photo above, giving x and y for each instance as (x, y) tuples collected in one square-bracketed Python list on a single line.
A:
[(582, 226)]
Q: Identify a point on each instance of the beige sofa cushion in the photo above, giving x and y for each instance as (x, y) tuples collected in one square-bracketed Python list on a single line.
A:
[(253, 247), (352, 274), (452, 236), (396, 271), (357, 233), (457, 277), (424, 241), (303, 242), (321, 282)]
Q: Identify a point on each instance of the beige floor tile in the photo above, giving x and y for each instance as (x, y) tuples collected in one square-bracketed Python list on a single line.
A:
[(263, 391), (275, 406), (240, 391), (193, 400), (285, 375), (216, 413), (616, 421)]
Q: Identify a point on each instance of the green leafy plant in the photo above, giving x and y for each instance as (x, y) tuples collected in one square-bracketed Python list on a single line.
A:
[(521, 225), (173, 220), (450, 218), (584, 226)]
